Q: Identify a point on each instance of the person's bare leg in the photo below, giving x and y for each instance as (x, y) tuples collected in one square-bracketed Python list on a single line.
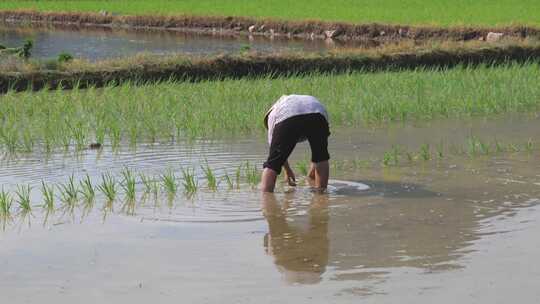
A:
[(322, 173), (268, 180)]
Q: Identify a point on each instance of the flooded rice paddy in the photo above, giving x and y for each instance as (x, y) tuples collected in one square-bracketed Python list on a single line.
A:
[(460, 226), (102, 43)]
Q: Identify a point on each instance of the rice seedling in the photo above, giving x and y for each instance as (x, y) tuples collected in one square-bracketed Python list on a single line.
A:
[(5, 204), (499, 148), (303, 167), (484, 147), (87, 189), (253, 176), (189, 181), (238, 176), (472, 146), (27, 141), (108, 187), (69, 192), (387, 159), (425, 152), (23, 198), (47, 192), (128, 184), (169, 182), (210, 177), (188, 108), (79, 136)]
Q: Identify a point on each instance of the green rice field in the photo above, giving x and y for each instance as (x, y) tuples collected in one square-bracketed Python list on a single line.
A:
[(52, 120), (414, 12)]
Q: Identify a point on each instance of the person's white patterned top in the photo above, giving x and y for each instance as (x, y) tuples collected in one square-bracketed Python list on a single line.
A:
[(293, 105)]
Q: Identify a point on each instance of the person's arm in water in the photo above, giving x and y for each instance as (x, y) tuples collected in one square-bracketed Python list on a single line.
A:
[(289, 174)]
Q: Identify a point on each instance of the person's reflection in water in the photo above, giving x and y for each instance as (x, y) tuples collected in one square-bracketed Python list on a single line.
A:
[(298, 243)]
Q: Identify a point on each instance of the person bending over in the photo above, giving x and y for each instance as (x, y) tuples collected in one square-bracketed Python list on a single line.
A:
[(293, 119)]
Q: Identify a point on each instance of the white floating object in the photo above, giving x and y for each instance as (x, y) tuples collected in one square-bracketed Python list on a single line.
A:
[(335, 184)]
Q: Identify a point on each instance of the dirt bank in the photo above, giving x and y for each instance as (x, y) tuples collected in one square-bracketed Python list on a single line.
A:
[(252, 65), (268, 27)]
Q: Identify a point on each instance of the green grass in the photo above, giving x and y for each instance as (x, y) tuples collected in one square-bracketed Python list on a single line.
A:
[(434, 12), (213, 109)]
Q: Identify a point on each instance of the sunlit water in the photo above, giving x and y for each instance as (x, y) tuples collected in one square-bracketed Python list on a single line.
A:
[(459, 228)]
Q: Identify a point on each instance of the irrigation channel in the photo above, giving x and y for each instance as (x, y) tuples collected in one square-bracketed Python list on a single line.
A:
[(452, 214), (96, 43)]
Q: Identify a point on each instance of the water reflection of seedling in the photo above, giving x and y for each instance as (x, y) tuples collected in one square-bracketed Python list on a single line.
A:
[(169, 182), (410, 156), (48, 196), (210, 177), (440, 150), (108, 187), (128, 184), (189, 181), (68, 192), (425, 152), (513, 147), (87, 189), (228, 180), (23, 198), (238, 176)]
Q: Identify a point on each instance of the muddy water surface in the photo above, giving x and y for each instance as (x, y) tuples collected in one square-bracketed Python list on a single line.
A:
[(463, 227), (103, 43)]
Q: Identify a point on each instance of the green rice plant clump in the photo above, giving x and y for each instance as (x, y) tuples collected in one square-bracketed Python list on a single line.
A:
[(169, 182), (128, 184), (210, 177), (69, 192), (5, 203), (108, 187), (189, 181), (87, 189), (47, 192), (23, 198), (253, 175)]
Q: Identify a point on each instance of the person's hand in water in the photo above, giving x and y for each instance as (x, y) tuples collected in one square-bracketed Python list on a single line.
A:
[(289, 175)]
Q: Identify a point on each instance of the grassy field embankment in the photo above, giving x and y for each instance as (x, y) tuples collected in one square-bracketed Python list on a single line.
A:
[(24, 75), (411, 12), (168, 111)]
